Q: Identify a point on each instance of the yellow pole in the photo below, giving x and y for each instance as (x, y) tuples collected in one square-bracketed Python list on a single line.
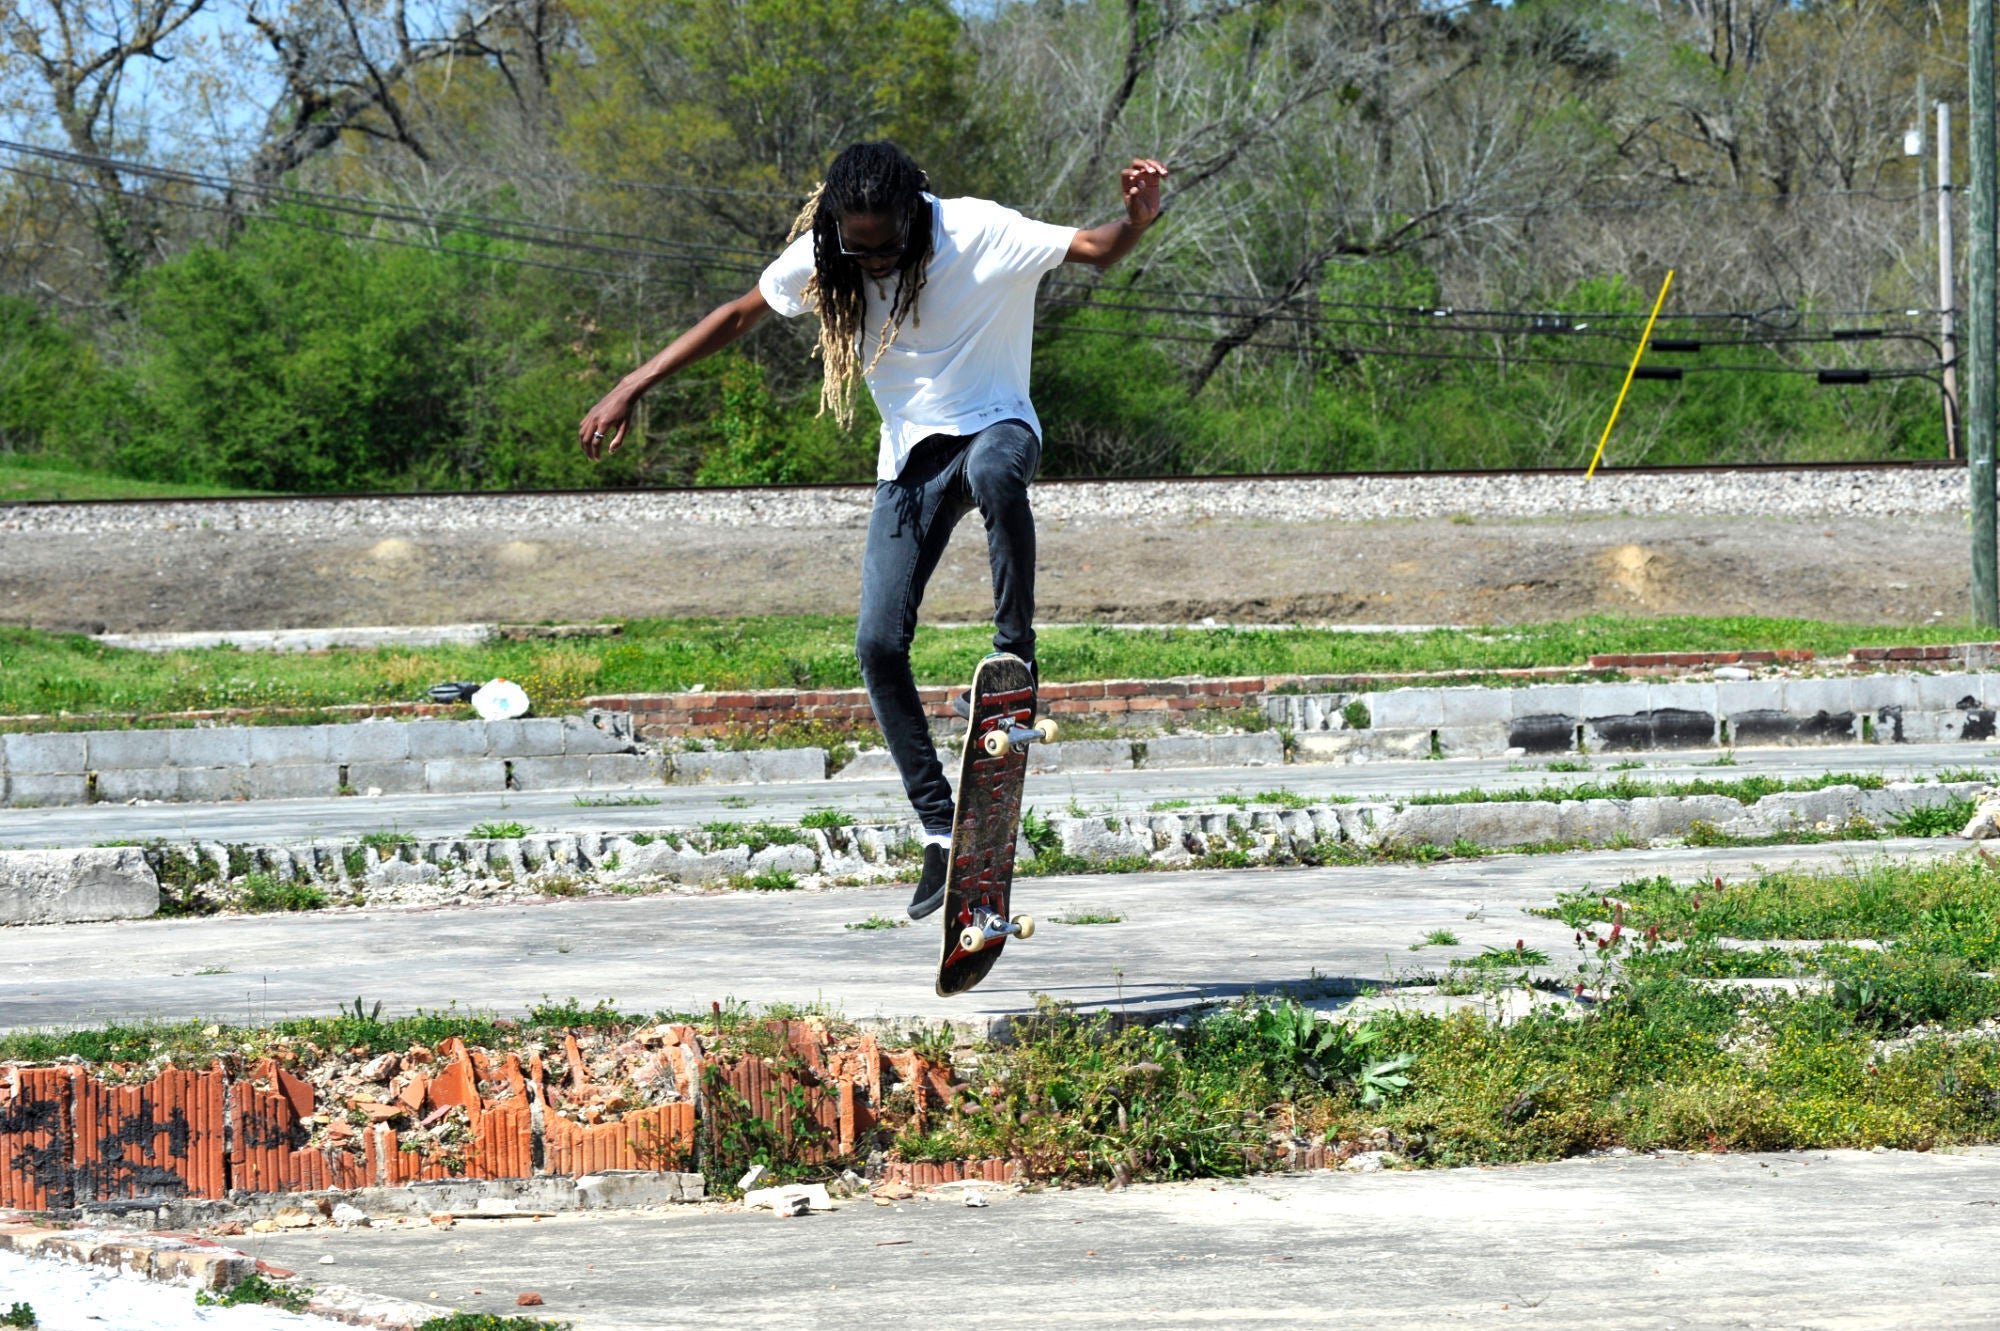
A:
[(1644, 338)]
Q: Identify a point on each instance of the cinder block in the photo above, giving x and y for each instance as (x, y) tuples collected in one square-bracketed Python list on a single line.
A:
[(1808, 697), (62, 886), (1871, 693), (1604, 700), (551, 773), (621, 769), (1426, 824), (1096, 755), (293, 781), (212, 785), (390, 778), (1594, 821), (1748, 695), (116, 750), (284, 746), (580, 736), (1471, 740), (1260, 749), (877, 765), (1944, 693), (1509, 823), (370, 742), (209, 746), (528, 737), (38, 754), (788, 765), (1166, 751), (696, 767), (141, 783), (1406, 709), (447, 739), (464, 776), (41, 790), (1475, 707), (1687, 697), (1546, 700)]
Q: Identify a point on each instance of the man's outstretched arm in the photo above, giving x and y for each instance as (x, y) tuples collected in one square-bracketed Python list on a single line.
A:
[(1107, 244), (604, 426)]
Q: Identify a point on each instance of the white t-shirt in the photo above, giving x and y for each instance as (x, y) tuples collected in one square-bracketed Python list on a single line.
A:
[(960, 362)]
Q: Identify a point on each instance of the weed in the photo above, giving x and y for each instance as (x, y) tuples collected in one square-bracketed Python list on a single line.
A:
[(492, 831), (560, 885), (614, 801), (262, 892), (213, 970), (1936, 819), (1356, 715), (1464, 849), (1039, 833), (1436, 938), (354, 860), (1628, 765), (1090, 917), (19, 1315), (1572, 765), (254, 1289), (1077, 810), (774, 880), (1163, 806), (388, 840), (1507, 958), (734, 801), (460, 1321), (826, 818), (1727, 758), (878, 922), (1955, 775)]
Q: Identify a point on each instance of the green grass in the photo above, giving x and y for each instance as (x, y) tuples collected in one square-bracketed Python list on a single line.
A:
[(1090, 917), (19, 1314), (826, 818), (388, 840), (1747, 790), (263, 893), (45, 673), (1436, 938), (614, 801), (460, 1321), (23, 480), (874, 922), (492, 831), (255, 1289)]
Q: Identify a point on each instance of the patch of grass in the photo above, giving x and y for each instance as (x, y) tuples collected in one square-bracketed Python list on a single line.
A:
[(1090, 917), (735, 801), (877, 922), (1039, 833), (1571, 765), (461, 1321), (752, 836), (1507, 958), (1436, 938), (20, 1314), (255, 1289), (1954, 775), (1727, 758), (46, 673), (499, 831), (1356, 715), (1948, 819), (387, 840), (261, 893), (826, 818), (1629, 765), (773, 880), (1744, 790), (614, 801)]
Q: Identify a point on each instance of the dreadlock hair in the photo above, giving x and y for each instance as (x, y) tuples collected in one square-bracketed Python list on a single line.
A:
[(874, 178)]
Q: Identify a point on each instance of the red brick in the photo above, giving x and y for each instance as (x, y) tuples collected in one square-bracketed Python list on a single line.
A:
[(1686, 658), (734, 700), (1067, 707), (711, 717), (1168, 688), (1110, 705), (1147, 704), (1186, 704), (1125, 688), (1870, 653), (934, 695), (1603, 660), (784, 700), (1243, 686), (1093, 688)]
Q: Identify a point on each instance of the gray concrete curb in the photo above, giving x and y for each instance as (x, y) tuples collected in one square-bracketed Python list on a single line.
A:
[(458, 870)]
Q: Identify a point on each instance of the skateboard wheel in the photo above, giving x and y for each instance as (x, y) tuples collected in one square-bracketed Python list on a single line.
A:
[(971, 939), (1046, 728), (996, 744), (1026, 924)]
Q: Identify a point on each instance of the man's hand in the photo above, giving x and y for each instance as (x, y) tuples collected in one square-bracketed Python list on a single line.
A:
[(1140, 184), (604, 425)]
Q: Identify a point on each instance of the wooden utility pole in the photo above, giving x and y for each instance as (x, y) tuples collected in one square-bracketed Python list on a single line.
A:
[(1980, 400), (1954, 429)]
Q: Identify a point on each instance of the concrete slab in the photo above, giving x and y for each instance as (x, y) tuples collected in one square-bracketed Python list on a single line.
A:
[(1843, 1239), (1185, 938)]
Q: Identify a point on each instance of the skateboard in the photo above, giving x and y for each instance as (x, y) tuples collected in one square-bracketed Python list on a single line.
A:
[(991, 773)]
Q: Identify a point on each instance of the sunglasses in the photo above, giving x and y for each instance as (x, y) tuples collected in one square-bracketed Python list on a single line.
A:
[(894, 251)]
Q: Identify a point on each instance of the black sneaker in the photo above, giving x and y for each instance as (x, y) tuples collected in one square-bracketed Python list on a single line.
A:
[(930, 888)]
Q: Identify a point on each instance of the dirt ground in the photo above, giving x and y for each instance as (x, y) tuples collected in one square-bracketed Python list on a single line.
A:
[(1863, 570)]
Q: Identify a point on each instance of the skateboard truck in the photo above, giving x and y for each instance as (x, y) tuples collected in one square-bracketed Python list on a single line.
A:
[(1001, 741), (987, 926)]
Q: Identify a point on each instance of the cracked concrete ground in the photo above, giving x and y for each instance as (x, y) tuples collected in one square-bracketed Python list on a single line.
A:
[(1820, 1240), (1183, 938)]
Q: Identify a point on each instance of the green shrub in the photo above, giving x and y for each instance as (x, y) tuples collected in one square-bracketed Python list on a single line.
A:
[(263, 892)]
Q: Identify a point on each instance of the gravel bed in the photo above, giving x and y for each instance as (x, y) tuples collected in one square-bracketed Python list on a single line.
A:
[(1860, 491)]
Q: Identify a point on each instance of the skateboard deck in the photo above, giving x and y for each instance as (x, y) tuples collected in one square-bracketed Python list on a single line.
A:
[(992, 770)]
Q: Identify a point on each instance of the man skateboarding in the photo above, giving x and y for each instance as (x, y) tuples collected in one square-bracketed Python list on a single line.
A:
[(932, 302)]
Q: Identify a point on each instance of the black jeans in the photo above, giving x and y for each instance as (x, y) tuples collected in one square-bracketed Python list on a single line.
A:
[(946, 477)]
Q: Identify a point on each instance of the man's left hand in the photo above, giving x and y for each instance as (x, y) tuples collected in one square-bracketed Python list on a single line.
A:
[(1140, 183)]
